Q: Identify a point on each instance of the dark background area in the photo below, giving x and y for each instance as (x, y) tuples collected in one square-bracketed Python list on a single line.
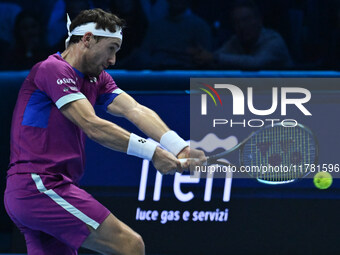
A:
[(309, 28)]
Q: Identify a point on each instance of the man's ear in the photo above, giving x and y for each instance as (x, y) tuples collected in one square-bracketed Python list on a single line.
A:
[(87, 39)]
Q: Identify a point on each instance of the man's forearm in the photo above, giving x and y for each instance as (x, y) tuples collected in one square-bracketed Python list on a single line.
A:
[(107, 134), (148, 122), (152, 125), (114, 137)]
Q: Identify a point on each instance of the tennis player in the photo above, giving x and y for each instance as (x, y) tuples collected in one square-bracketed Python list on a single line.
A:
[(54, 112)]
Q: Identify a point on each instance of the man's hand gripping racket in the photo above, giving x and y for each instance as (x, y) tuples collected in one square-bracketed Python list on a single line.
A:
[(190, 157)]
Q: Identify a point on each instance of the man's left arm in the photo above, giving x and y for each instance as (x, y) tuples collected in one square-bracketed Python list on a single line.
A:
[(144, 118), (149, 123)]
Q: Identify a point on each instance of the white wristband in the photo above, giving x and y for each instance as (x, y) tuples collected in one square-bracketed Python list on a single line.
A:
[(140, 147), (173, 142)]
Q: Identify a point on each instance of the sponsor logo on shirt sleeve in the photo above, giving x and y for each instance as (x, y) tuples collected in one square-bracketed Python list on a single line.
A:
[(66, 81)]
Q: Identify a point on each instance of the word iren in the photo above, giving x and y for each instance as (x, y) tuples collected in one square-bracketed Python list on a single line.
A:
[(179, 181)]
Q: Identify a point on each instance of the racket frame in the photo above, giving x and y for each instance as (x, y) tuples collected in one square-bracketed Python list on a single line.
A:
[(215, 158)]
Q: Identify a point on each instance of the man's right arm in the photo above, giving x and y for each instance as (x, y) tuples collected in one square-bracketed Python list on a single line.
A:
[(110, 135), (104, 132)]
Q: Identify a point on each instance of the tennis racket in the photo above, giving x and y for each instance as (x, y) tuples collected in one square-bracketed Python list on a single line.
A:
[(274, 154)]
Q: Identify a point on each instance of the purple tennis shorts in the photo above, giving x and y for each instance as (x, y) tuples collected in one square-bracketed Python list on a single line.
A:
[(52, 212)]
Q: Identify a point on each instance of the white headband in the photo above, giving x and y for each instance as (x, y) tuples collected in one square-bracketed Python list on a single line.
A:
[(91, 27)]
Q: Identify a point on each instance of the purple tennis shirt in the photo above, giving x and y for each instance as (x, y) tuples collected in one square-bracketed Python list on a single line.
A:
[(43, 140)]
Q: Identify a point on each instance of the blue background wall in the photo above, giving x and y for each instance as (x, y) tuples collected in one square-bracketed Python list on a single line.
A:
[(261, 219)]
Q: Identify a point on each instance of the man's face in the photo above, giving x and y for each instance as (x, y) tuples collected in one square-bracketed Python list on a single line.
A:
[(100, 55), (247, 25)]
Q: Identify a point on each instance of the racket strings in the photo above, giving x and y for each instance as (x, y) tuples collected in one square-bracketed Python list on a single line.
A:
[(279, 154)]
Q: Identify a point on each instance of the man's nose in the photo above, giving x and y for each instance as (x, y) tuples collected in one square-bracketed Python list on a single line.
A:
[(112, 60)]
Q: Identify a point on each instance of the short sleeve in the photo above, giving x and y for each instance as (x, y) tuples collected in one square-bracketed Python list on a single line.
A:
[(59, 81), (107, 92)]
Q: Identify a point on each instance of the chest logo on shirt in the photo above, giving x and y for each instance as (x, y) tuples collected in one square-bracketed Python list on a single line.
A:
[(66, 81), (93, 79)]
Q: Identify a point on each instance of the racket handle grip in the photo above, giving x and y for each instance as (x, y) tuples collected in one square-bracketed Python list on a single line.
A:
[(183, 160)]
